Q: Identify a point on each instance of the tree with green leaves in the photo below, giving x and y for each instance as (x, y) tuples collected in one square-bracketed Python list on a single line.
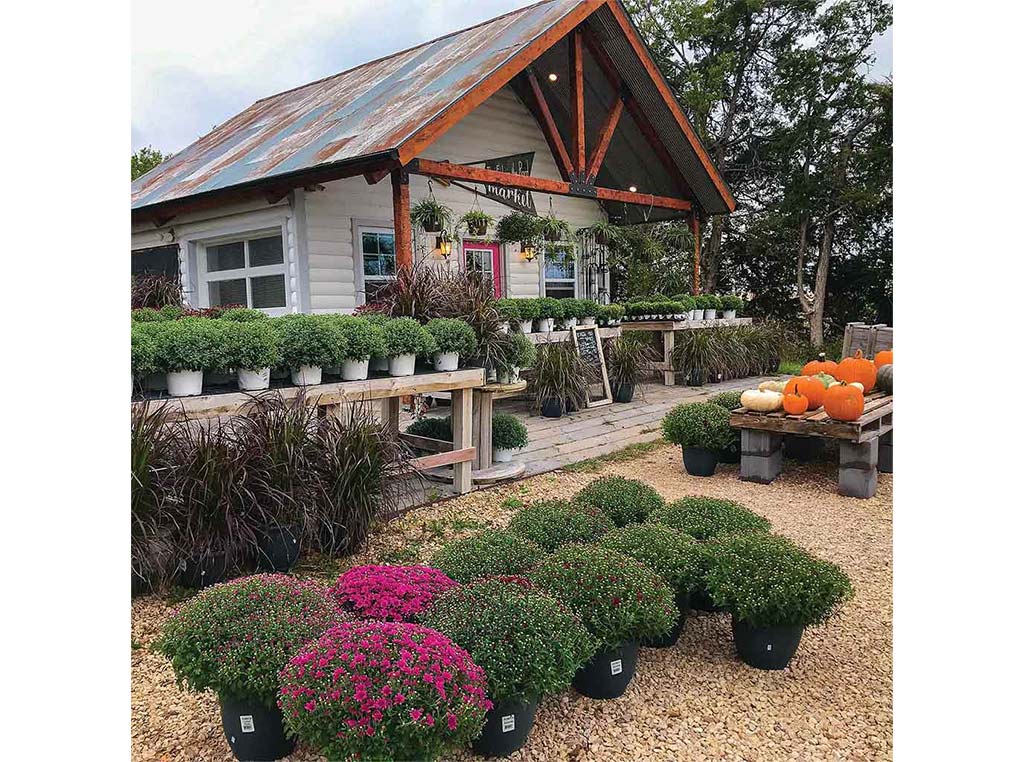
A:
[(145, 159)]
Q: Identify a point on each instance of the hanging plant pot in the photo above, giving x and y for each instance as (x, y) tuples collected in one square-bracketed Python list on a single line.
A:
[(402, 365), (552, 408), (607, 674), (196, 573), (185, 383), (672, 636), (623, 392), (700, 461), (253, 380), (506, 727), (307, 375), (477, 228), (766, 647), (355, 370), (279, 547), (254, 731), (444, 361), (432, 224)]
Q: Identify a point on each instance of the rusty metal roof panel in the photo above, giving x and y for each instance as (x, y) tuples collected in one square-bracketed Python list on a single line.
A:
[(367, 110)]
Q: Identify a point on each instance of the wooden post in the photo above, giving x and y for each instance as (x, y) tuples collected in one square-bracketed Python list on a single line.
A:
[(695, 229), (579, 141), (483, 410), (403, 226), (668, 340), (462, 437), (390, 407)]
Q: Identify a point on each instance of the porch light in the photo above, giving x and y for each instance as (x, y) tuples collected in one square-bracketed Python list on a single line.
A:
[(529, 252), (444, 244), (552, 77)]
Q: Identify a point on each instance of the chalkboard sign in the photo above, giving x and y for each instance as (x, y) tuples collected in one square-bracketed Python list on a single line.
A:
[(588, 343)]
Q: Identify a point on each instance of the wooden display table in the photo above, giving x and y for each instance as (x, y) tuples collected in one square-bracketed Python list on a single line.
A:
[(553, 337), (667, 329), (483, 410), (865, 445)]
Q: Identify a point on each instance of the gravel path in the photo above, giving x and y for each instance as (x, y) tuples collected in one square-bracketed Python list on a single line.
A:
[(692, 702)]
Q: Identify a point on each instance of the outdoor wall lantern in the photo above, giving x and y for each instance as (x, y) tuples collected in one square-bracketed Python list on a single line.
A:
[(529, 252), (444, 244)]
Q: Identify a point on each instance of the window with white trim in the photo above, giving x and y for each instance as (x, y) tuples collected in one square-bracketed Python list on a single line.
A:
[(559, 274), (377, 256), (249, 271)]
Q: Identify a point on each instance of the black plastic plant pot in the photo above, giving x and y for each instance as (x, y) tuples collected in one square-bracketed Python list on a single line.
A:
[(432, 225), (701, 601), (551, 408), (700, 461), (254, 731), (506, 728), (570, 406), (279, 547), (607, 674), (202, 572), (766, 647), (731, 453), (670, 638), (623, 392)]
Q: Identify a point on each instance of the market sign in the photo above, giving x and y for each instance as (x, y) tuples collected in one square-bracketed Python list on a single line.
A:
[(517, 164)]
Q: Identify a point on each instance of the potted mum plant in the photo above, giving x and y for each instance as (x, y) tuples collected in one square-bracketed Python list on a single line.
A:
[(363, 340), (697, 310), (770, 609), (522, 353), (251, 348), (529, 311), (508, 435), (702, 430), (183, 349), (711, 306), (731, 306), (554, 523), (493, 552), (404, 338), (453, 339), (611, 314), (430, 215), (625, 501), (572, 312), (588, 311), (550, 310), (475, 222), (630, 360), (143, 353), (234, 638), (618, 599), (508, 312), (392, 593), (383, 690), (526, 642), (308, 345), (730, 401)]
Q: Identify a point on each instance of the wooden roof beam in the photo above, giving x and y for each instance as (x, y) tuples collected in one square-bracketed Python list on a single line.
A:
[(604, 140), (542, 113), (576, 109)]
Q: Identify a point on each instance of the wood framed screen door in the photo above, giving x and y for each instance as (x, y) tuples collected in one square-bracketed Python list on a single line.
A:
[(484, 258)]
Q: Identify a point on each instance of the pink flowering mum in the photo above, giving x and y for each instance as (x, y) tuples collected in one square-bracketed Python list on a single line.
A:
[(390, 593)]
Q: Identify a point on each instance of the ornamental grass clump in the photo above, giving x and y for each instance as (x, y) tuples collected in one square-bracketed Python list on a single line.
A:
[(671, 554), (618, 599), (554, 523), (765, 581), (234, 638), (391, 593), (492, 552), (383, 691), (707, 518), (625, 501), (528, 644)]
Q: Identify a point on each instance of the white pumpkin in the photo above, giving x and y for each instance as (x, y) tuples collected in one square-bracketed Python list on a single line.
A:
[(760, 401), (772, 386)]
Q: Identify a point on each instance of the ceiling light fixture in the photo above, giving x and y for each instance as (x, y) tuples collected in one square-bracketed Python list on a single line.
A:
[(553, 77), (632, 189)]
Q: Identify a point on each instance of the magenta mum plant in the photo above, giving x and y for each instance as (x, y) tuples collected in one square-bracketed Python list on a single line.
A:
[(383, 690), (390, 593)]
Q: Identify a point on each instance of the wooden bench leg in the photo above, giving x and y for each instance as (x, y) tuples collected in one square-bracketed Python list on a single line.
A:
[(462, 437), (390, 407), (668, 340), (885, 453), (483, 411), (760, 456), (858, 468)]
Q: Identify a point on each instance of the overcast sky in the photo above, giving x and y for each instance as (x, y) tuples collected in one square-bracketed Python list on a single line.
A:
[(189, 76)]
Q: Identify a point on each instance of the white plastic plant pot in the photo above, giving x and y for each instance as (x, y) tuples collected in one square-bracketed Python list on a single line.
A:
[(307, 375), (503, 326), (588, 321), (729, 314), (696, 314), (505, 377), (709, 314), (402, 365), (156, 382), (446, 361), (570, 322), (526, 326), (253, 380), (515, 374), (544, 325), (185, 383), (379, 364), (503, 456), (355, 370)]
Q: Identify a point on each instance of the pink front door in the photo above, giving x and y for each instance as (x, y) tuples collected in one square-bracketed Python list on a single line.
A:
[(484, 258)]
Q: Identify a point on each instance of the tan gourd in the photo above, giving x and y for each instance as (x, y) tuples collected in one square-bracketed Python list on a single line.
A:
[(761, 401), (772, 386)]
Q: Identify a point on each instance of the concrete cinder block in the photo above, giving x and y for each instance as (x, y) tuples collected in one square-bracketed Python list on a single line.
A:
[(760, 442), (885, 454), (858, 469), (760, 468)]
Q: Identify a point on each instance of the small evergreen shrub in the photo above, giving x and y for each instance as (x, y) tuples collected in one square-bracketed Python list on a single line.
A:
[(575, 308), (731, 302), (554, 523), (187, 344), (250, 345), (624, 500), (728, 400), (490, 553), (309, 340), (697, 424), (508, 309), (434, 428), (242, 315), (612, 312), (452, 335), (143, 350), (363, 339), (671, 554), (404, 336), (508, 432), (706, 518), (393, 593), (523, 353), (529, 309), (550, 308), (149, 315)]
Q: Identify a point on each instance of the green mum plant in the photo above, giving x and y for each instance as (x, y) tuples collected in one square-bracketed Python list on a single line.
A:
[(508, 432), (765, 580), (508, 309), (433, 428), (529, 309), (452, 335), (612, 312), (523, 353), (309, 340), (707, 518), (554, 523), (672, 555), (625, 501), (687, 302), (731, 302), (363, 338), (574, 308), (697, 424), (491, 553), (728, 400), (550, 308), (404, 336), (143, 350), (251, 345), (528, 644), (617, 598), (187, 344)]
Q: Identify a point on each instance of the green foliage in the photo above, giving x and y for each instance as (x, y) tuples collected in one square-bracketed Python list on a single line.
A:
[(554, 229), (707, 518), (529, 309), (625, 501), (145, 159), (527, 643), (669, 553), (508, 309), (406, 336), (550, 308), (728, 400), (429, 213), (611, 312), (149, 315), (519, 227), (143, 350), (187, 344), (630, 359), (491, 553), (309, 340), (475, 218), (242, 315), (523, 353), (767, 580), (697, 424), (363, 339), (251, 345), (617, 598), (432, 427), (731, 302), (452, 335), (508, 432), (647, 258), (559, 373), (686, 301), (554, 523)]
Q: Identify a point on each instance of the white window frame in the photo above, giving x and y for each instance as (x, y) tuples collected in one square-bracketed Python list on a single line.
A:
[(205, 277), (360, 273), (544, 280)]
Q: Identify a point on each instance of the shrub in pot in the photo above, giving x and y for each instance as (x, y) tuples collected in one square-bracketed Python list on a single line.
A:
[(630, 360), (508, 435), (528, 311), (687, 304), (508, 312), (618, 599), (589, 311), (702, 430), (183, 349), (432, 427), (309, 343), (251, 348), (730, 401), (731, 306), (554, 523), (528, 644), (559, 379), (383, 691), (672, 555), (234, 638), (493, 552), (611, 314), (430, 215), (363, 340), (573, 311), (625, 501), (404, 339), (143, 352), (521, 353), (453, 339), (773, 589), (549, 311), (392, 593)]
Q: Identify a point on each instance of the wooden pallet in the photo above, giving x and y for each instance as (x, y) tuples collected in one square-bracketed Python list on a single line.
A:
[(876, 421)]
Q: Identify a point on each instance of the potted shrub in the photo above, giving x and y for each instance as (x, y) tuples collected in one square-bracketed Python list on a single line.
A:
[(476, 222), (519, 227), (630, 359), (234, 639), (521, 353), (687, 305), (378, 363), (183, 349), (404, 338), (624, 501), (618, 599), (572, 312), (392, 593), (559, 377), (710, 304), (702, 430), (554, 523), (553, 229), (508, 436), (549, 311), (143, 353), (430, 215), (308, 345), (611, 314), (773, 589), (508, 313), (730, 401), (527, 643), (490, 553), (731, 306), (383, 690), (529, 311), (669, 553), (453, 339), (363, 340), (251, 348)]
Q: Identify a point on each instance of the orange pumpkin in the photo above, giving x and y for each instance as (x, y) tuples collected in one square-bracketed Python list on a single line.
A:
[(844, 402), (795, 403), (811, 387), (821, 365), (883, 358), (857, 368)]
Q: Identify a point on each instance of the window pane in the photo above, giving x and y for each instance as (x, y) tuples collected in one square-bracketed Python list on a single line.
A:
[(224, 292), (266, 251), (268, 291), (559, 290), (559, 269), (371, 265), (387, 243), (227, 256), (370, 243)]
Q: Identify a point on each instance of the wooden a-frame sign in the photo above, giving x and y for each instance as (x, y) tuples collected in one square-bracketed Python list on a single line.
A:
[(587, 339)]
